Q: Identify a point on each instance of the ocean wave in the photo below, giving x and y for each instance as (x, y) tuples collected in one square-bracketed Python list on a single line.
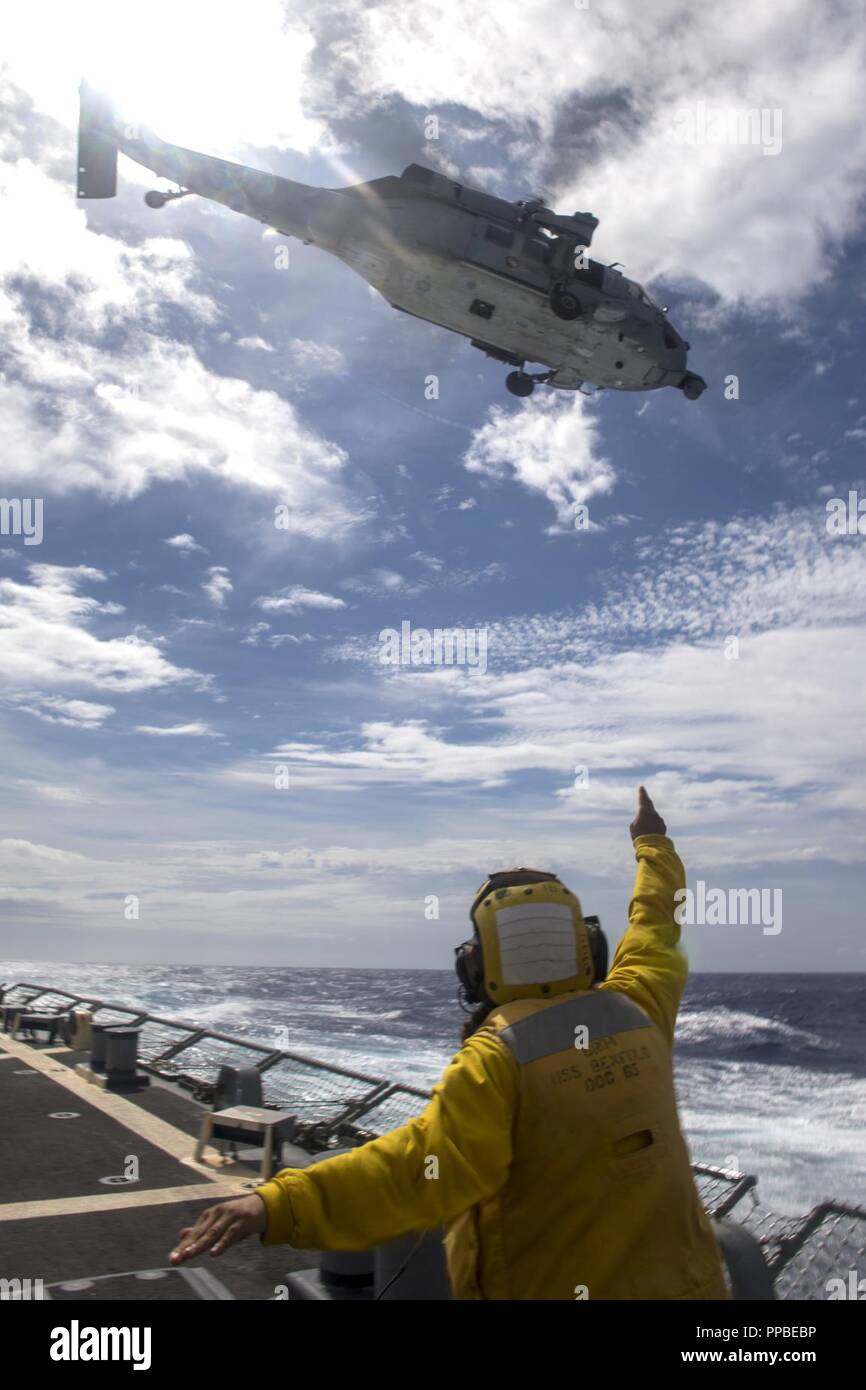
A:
[(733, 1028), (801, 1137)]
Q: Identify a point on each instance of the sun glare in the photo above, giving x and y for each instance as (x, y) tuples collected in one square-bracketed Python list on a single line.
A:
[(212, 76)]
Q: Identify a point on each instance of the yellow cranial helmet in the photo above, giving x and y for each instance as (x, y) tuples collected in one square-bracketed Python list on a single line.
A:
[(534, 942)]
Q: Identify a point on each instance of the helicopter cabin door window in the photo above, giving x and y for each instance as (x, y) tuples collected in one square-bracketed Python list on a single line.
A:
[(491, 245), (500, 236), (537, 249)]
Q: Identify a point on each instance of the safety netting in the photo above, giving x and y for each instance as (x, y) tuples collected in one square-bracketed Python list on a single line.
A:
[(393, 1108), (811, 1257), (319, 1094)]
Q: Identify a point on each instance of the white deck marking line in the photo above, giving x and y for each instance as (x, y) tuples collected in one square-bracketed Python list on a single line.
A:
[(157, 1132), (118, 1201)]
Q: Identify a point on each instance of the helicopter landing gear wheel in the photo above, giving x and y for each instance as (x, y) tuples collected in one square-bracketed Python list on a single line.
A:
[(565, 304), (520, 384), (692, 387), (156, 199)]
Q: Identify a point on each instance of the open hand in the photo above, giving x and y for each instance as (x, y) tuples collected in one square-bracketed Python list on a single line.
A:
[(647, 821), (221, 1226)]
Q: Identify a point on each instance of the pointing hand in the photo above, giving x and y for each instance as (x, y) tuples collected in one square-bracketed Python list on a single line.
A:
[(647, 821)]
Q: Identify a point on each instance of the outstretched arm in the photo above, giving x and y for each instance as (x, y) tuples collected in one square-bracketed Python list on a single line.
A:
[(422, 1175), (648, 965), (416, 1177)]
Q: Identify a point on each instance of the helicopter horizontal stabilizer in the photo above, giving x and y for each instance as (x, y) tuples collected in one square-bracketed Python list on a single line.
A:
[(97, 152)]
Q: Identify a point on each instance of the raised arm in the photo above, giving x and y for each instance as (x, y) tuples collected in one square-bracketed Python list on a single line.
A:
[(648, 965)]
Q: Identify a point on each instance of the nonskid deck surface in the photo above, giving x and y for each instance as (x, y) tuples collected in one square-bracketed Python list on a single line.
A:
[(60, 1222)]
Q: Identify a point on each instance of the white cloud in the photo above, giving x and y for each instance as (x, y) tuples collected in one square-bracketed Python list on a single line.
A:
[(96, 278), (431, 561), (54, 709), (72, 796), (176, 423), (24, 851), (218, 585), (186, 543), (386, 583), (317, 359), (196, 729), (45, 644), (380, 583), (103, 401), (295, 597), (255, 345), (292, 639), (255, 634), (550, 446), (642, 685)]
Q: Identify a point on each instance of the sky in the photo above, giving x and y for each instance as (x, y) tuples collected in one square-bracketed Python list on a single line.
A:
[(205, 759)]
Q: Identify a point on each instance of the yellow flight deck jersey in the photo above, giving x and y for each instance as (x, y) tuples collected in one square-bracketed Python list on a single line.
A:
[(562, 1169)]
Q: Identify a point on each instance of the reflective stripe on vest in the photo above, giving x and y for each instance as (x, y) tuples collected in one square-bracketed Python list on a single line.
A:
[(551, 1030)]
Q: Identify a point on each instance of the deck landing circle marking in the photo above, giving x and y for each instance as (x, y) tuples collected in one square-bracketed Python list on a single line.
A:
[(118, 1180), (76, 1285), (153, 1273), (64, 1115)]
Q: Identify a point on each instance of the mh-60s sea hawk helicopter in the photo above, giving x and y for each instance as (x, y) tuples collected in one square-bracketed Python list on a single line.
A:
[(513, 278)]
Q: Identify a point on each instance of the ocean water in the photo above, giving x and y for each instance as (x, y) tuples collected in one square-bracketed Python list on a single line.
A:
[(770, 1069)]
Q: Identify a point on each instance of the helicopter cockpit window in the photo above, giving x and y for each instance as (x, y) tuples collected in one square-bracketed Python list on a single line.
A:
[(502, 236), (638, 292)]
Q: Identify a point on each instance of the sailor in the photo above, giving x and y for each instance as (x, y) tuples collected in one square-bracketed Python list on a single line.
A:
[(551, 1150)]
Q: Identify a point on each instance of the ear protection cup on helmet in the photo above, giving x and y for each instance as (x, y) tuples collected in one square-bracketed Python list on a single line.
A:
[(470, 972), (598, 948)]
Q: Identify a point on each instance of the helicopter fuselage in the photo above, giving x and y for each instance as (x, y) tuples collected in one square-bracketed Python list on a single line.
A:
[(513, 278), (490, 280)]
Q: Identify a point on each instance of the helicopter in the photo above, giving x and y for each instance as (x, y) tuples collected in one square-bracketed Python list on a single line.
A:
[(512, 277)]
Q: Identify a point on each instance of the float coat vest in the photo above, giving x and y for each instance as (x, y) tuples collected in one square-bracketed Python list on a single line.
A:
[(599, 1200), (553, 1167)]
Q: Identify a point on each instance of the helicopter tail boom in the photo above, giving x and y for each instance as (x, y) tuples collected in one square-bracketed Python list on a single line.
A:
[(102, 132)]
